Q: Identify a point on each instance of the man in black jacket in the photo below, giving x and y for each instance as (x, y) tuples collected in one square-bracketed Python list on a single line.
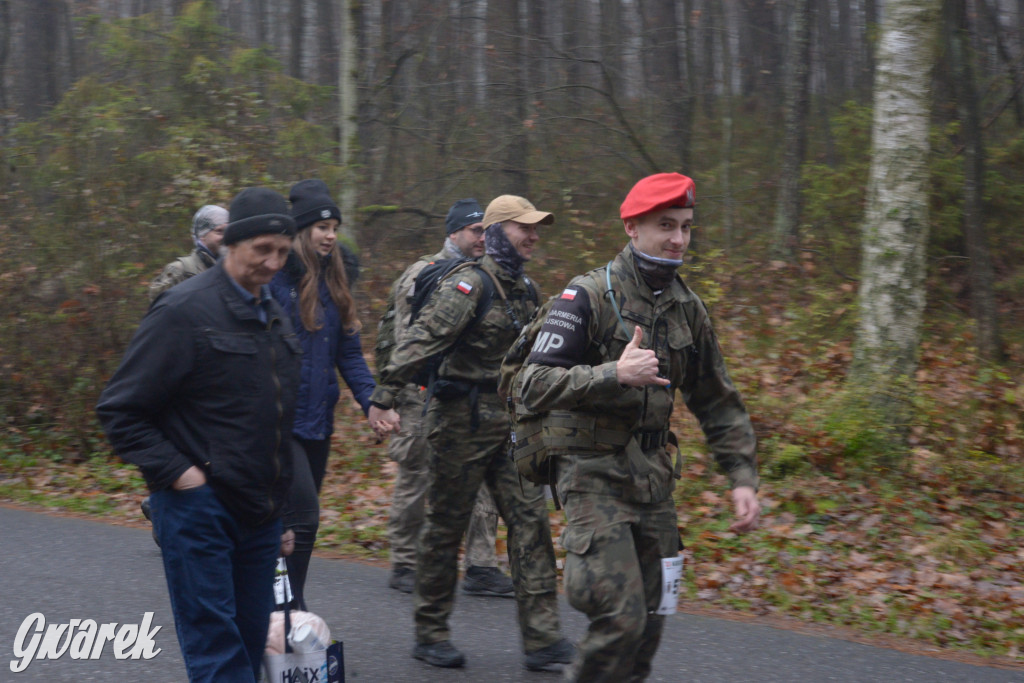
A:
[(203, 403)]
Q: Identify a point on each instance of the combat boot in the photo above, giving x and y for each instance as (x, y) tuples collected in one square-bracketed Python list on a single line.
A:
[(487, 581), (551, 658), (442, 654)]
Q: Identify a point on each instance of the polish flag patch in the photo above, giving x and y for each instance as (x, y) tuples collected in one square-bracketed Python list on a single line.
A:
[(464, 287), (568, 295)]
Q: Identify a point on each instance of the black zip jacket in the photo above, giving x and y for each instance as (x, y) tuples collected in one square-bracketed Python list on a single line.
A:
[(204, 382)]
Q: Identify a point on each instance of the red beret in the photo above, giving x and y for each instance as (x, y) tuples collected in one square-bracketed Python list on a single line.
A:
[(659, 191)]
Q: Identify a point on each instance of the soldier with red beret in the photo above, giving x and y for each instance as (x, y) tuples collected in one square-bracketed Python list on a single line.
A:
[(612, 352)]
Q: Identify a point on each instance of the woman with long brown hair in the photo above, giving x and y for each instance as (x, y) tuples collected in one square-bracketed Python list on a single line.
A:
[(313, 289)]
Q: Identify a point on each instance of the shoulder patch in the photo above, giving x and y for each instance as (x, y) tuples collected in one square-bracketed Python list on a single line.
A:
[(563, 337), (464, 287)]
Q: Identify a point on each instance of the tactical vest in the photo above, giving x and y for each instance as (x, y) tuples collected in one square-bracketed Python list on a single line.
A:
[(537, 438)]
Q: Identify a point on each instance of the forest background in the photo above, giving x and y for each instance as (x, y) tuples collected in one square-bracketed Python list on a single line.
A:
[(119, 118)]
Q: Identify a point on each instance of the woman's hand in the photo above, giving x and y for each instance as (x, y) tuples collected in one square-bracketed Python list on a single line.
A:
[(383, 421)]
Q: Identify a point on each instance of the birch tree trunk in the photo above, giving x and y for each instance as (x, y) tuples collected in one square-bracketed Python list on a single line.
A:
[(895, 230), (347, 125)]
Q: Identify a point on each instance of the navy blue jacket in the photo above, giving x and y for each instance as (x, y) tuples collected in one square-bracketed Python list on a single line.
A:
[(204, 382), (324, 350)]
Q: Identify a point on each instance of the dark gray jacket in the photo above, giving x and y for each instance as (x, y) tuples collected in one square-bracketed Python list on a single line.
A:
[(204, 382)]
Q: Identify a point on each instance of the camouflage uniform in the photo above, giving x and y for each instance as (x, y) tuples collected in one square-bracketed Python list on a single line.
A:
[(468, 434), (179, 270), (620, 515), (409, 449)]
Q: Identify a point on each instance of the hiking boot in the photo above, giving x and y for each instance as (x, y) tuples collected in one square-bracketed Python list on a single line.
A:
[(403, 579), (441, 654), (551, 658), (487, 581)]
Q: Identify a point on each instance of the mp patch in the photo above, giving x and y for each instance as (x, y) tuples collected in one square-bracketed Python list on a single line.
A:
[(562, 339)]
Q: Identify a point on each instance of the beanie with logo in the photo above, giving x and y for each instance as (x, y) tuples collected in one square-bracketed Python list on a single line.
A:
[(311, 202)]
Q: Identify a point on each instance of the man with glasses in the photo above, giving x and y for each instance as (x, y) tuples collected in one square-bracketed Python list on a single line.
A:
[(467, 425), (409, 448)]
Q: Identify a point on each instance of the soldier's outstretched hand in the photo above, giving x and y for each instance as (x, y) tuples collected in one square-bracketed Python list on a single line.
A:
[(638, 367)]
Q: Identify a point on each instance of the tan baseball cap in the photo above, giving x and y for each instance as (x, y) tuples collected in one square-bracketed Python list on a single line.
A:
[(509, 207)]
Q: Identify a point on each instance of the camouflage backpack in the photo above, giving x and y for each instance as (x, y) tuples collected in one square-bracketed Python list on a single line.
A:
[(526, 443), (385, 343), (535, 438), (425, 283)]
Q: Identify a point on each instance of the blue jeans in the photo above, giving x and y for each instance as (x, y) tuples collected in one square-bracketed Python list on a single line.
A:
[(220, 576)]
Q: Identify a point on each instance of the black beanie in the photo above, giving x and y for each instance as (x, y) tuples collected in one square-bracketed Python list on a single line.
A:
[(311, 202), (463, 212), (257, 211)]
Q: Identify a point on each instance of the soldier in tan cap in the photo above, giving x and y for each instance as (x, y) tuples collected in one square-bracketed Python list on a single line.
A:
[(467, 426)]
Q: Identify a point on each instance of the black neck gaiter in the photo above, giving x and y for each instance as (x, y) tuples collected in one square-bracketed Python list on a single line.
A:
[(501, 250), (658, 273)]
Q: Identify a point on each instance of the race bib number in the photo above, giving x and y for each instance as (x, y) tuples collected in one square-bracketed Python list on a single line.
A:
[(671, 578)]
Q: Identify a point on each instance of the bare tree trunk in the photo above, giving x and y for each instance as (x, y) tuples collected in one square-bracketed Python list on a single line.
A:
[(39, 71), (684, 70), (895, 232), (870, 26), (327, 53), (517, 153), (259, 10), (982, 276), (795, 104), (69, 38), (478, 29), (296, 26), (347, 124), (632, 49), (728, 96), (5, 43), (1003, 49)]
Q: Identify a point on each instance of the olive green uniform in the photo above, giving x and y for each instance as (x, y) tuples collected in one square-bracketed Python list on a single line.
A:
[(617, 487), (409, 449), (179, 270), (467, 426)]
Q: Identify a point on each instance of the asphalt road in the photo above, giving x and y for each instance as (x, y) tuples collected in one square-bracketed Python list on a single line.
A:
[(76, 569)]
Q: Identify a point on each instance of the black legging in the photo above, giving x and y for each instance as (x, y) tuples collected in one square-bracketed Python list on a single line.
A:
[(302, 510)]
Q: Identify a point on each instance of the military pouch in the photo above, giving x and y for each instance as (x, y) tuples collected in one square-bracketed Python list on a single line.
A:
[(538, 438), (449, 389)]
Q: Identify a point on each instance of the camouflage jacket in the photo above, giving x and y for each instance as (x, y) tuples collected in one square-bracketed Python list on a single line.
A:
[(475, 357), (576, 372), (179, 270)]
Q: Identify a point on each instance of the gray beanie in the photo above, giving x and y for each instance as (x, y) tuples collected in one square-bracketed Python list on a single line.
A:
[(208, 218)]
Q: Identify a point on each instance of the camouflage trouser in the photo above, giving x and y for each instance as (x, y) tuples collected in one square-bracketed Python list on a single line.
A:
[(460, 461), (613, 575), (409, 450)]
